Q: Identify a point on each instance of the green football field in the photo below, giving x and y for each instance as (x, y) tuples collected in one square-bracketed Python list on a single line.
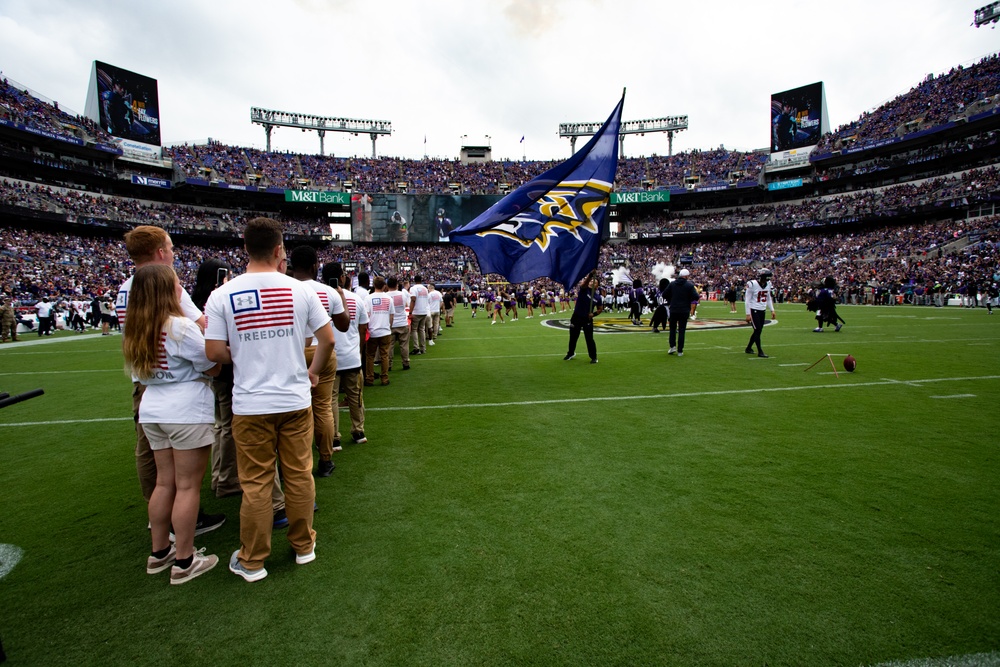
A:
[(512, 508)]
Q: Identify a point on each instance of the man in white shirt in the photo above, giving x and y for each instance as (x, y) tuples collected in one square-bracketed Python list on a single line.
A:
[(379, 307), (400, 326), (304, 265), (44, 310), (419, 312), (349, 358), (434, 299), (258, 322)]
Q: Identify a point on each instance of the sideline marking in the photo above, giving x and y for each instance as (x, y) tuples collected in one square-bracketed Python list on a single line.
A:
[(991, 659), (955, 396), (9, 557), (108, 370), (556, 401), (48, 341)]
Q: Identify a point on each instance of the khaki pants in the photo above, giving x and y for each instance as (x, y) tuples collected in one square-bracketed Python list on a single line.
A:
[(400, 335), (145, 464), (418, 331), (261, 441), (225, 472), (350, 381), (225, 476), (322, 405), (433, 324), (377, 346)]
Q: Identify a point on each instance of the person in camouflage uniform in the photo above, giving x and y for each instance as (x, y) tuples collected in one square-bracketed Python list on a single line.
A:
[(8, 320)]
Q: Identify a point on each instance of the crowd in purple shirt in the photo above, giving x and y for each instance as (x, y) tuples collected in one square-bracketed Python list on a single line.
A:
[(930, 103)]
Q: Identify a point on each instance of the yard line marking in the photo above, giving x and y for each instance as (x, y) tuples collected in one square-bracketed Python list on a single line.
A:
[(956, 396), (784, 365), (909, 383), (9, 557), (557, 401)]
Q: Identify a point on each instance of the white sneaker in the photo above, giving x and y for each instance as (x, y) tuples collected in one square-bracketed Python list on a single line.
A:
[(302, 559), (672, 350), (431, 342), (249, 575)]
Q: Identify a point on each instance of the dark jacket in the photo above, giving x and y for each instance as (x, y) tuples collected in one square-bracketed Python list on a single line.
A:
[(680, 294)]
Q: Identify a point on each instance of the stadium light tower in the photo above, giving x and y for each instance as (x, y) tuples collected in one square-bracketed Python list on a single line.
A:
[(670, 125), (988, 14), (321, 124)]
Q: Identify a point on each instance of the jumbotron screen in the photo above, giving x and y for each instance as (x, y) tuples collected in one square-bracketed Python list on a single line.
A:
[(128, 104), (798, 117), (400, 218)]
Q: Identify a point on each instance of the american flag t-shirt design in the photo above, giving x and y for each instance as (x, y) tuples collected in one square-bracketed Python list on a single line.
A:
[(161, 353), (263, 308)]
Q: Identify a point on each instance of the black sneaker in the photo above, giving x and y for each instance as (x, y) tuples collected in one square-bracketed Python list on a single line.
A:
[(593, 361), (359, 437), (748, 351), (208, 522), (325, 468), (568, 357), (414, 351), (280, 519), (762, 356)]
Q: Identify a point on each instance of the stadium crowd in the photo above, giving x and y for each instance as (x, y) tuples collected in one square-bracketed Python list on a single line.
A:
[(888, 260), (930, 103)]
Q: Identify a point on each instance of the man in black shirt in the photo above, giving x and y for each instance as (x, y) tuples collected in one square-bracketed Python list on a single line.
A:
[(680, 295), (588, 305)]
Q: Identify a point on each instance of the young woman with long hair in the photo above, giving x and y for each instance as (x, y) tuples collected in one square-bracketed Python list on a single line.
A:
[(166, 352)]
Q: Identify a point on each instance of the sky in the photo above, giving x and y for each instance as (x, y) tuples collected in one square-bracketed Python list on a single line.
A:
[(451, 72)]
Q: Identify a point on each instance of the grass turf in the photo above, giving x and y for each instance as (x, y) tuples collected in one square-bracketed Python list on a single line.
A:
[(513, 508)]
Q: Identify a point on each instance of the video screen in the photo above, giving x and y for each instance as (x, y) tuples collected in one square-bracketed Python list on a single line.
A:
[(402, 218), (797, 117), (129, 105)]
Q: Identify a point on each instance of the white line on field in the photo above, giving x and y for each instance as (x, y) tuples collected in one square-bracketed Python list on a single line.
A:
[(590, 399), (956, 396), (70, 421), (784, 365), (105, 370), (9, 557)]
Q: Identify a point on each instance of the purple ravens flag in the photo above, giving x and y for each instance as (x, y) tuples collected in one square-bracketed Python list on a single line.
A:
[(551, 226)]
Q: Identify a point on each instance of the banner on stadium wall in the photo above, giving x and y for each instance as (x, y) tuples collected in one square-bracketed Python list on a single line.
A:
[(656, 196), (784, 185), (150, 181), (139, 150), (41, 132), (318, 197)]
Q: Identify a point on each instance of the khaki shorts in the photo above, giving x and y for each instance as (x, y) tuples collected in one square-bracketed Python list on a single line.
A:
[(179, 436)]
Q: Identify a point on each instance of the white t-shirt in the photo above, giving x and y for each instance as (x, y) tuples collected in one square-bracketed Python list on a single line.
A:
[(348, 343), (44, 308), (434, 298), (362, 292), (331, 301), (420, 293), (400, 304), (379, 307), (177, 392), (121, 303), (265, 317)]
